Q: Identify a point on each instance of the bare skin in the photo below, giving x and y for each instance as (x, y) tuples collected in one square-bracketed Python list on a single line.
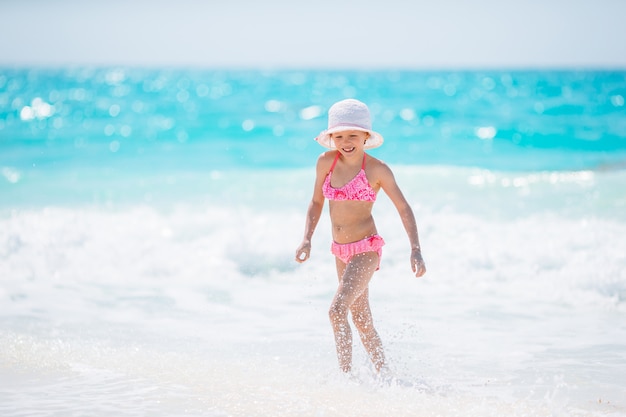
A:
[(352, 221)]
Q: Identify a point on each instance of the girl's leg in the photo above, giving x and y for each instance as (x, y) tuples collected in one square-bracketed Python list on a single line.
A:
[(362, 319), (353, 282)]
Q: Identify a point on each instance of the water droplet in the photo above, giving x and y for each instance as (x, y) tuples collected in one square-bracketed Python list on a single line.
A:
[(247, 125), (486, 132)]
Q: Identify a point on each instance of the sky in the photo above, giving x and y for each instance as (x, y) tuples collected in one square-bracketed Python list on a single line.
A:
[(275, 34)]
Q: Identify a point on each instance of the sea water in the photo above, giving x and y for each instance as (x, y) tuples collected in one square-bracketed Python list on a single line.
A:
[(149, 220)]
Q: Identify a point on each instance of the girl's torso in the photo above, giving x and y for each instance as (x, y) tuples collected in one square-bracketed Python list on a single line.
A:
[(350, 205)]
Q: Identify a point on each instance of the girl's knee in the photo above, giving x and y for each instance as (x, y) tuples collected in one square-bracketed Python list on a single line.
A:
[(363, 322), (337, 312)]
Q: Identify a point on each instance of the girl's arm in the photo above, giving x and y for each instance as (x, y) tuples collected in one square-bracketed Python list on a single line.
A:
[(389, 185), (313, 213)]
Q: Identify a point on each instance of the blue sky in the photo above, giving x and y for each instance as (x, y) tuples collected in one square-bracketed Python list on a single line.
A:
[(315, 34)]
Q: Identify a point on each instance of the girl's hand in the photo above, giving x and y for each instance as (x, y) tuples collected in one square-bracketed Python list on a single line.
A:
[(417, 263), (303, 252)]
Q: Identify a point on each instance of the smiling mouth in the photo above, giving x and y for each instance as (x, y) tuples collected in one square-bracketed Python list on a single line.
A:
[(348, 150)]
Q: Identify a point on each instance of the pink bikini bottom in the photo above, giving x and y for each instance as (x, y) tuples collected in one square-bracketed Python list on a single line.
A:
[(345, 251)]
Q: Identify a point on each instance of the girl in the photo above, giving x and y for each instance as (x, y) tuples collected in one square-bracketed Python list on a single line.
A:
[(350, 179)]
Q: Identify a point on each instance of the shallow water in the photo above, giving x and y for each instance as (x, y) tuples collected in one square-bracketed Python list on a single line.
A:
[(161, 281)]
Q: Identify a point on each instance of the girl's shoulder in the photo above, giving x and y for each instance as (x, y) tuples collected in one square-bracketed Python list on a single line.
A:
[(376, 164), (325, 160), (328, 155), (377, 170)]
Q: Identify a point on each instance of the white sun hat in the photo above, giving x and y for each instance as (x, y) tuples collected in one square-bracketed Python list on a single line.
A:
[(349, 114)]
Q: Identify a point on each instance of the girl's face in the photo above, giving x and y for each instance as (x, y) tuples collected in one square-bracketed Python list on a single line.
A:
[(350, 141)]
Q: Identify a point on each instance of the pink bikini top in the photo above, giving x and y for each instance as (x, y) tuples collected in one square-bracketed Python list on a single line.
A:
[(357, 189)]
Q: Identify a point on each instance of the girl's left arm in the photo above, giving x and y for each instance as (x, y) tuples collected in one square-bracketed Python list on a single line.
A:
[(390, 187)]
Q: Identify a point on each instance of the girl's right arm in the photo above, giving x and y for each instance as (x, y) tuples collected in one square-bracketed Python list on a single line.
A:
[(314, 211)]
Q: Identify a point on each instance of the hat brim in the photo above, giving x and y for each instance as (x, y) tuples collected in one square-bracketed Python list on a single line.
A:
[(324, 139)]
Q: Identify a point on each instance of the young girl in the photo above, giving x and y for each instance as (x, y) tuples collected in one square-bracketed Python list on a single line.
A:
[(350, 179)]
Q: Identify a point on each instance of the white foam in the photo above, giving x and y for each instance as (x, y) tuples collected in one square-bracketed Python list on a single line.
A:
[(198, 308)]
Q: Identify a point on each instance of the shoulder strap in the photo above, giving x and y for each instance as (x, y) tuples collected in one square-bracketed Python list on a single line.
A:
[(334, 162), (363, 164)]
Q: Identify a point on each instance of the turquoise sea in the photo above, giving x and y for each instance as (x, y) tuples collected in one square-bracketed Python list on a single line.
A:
[(149, 220)]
